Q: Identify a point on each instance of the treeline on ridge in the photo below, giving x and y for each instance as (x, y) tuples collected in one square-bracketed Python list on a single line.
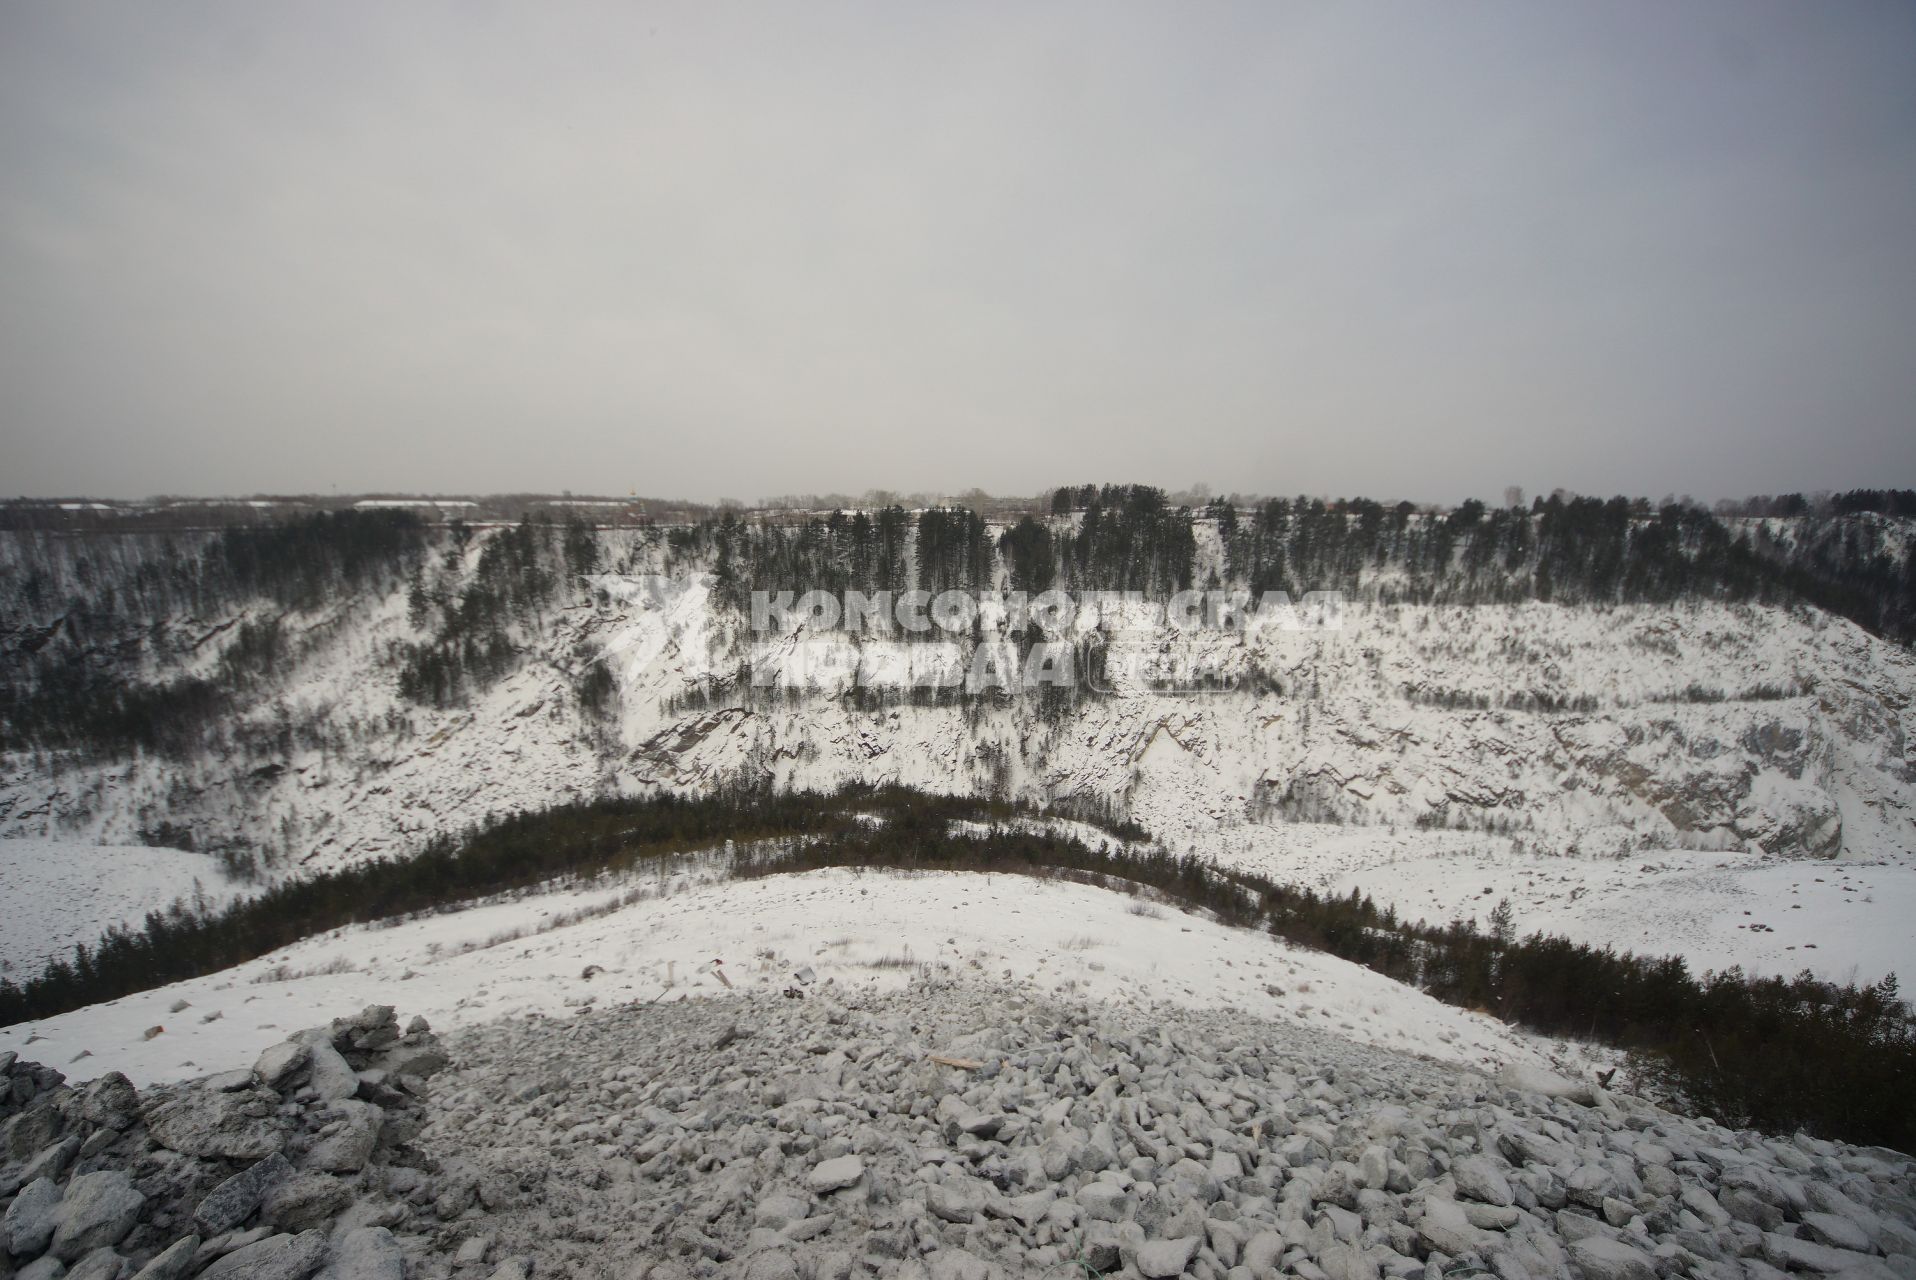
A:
[(63, 684), (1775, 1053), (82, 607)]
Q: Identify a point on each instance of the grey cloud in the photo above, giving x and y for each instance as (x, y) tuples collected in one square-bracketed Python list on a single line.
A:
[(705, 250)]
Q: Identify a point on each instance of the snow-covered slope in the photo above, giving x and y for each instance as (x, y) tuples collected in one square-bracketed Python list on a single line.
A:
[(62, 892), (1679, 736), (1695, 726), (1845, 921), (657, 937)]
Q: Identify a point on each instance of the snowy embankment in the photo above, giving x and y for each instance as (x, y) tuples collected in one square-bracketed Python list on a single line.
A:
[(59, 893), (1845, 921), (650, 940)]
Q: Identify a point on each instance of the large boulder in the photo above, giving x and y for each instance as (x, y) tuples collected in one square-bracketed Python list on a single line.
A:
[(97, 1210), (283, 1064), (110, 1102), (232, 1202), (1165, 1258), (174, 1262), (304, 1201), (835, 1174), (332, 1078), (349, 1147), (209, 1124), (280, 1257), (1605, 1258), (1478, 1179), (31, 1218)]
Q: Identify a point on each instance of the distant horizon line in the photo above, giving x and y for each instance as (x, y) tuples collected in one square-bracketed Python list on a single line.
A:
[(1195, 496)]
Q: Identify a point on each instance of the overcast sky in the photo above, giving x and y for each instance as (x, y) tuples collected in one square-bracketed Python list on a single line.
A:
[(1406, 250)]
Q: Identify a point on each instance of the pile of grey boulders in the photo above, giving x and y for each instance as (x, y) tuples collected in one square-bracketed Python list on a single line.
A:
[(942, 1132), (279, 1172), (830, 1138)]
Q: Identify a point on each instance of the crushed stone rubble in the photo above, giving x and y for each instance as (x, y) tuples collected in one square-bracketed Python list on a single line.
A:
[(832, 1137)]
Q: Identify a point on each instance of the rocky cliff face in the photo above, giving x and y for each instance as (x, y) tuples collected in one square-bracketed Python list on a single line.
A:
[(1571, 729)]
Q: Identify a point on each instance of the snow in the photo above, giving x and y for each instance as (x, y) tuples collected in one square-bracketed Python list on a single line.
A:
[(1383, 722), (62, 892), (1845, 921), (854, 929), (441, 503), (1420, 729)]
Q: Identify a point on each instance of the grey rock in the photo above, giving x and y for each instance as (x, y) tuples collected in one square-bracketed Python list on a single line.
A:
[(1160, 1259), (368, 1253), (1346, 1262), (282, 1064), (31, 1218), (175, 1261), (1262, 1251), (32, 1129), (1602, 1258), (957, 1264), (50, 1162), (348, 1149), (1590, 1185), (959, 1200), (1836, 1231), (1339, 1187), (777, 1211), (232, 1081), (97, 1210), (280, 1257), (1744, 1206), (1793, 1254), (1617, 1212), (1574, 1225), (1525, 1147), (1100, 1248), (101, 1264), (234, 1200), (832, 1175), (1103, 1201), (472, 1251), (304, 1201), (209, 1124), (110, 1101), (420, 1060), (47, 1268), (1700, 1202), (770, 1266), (1658, 1180), (1478, 1179), (1489, 1217), (332, 1078), (1447, 1229)]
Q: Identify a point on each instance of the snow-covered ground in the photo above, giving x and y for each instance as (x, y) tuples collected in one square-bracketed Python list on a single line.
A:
[(1619, 773), (61, 892), (1843, 920), (852, 929)]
